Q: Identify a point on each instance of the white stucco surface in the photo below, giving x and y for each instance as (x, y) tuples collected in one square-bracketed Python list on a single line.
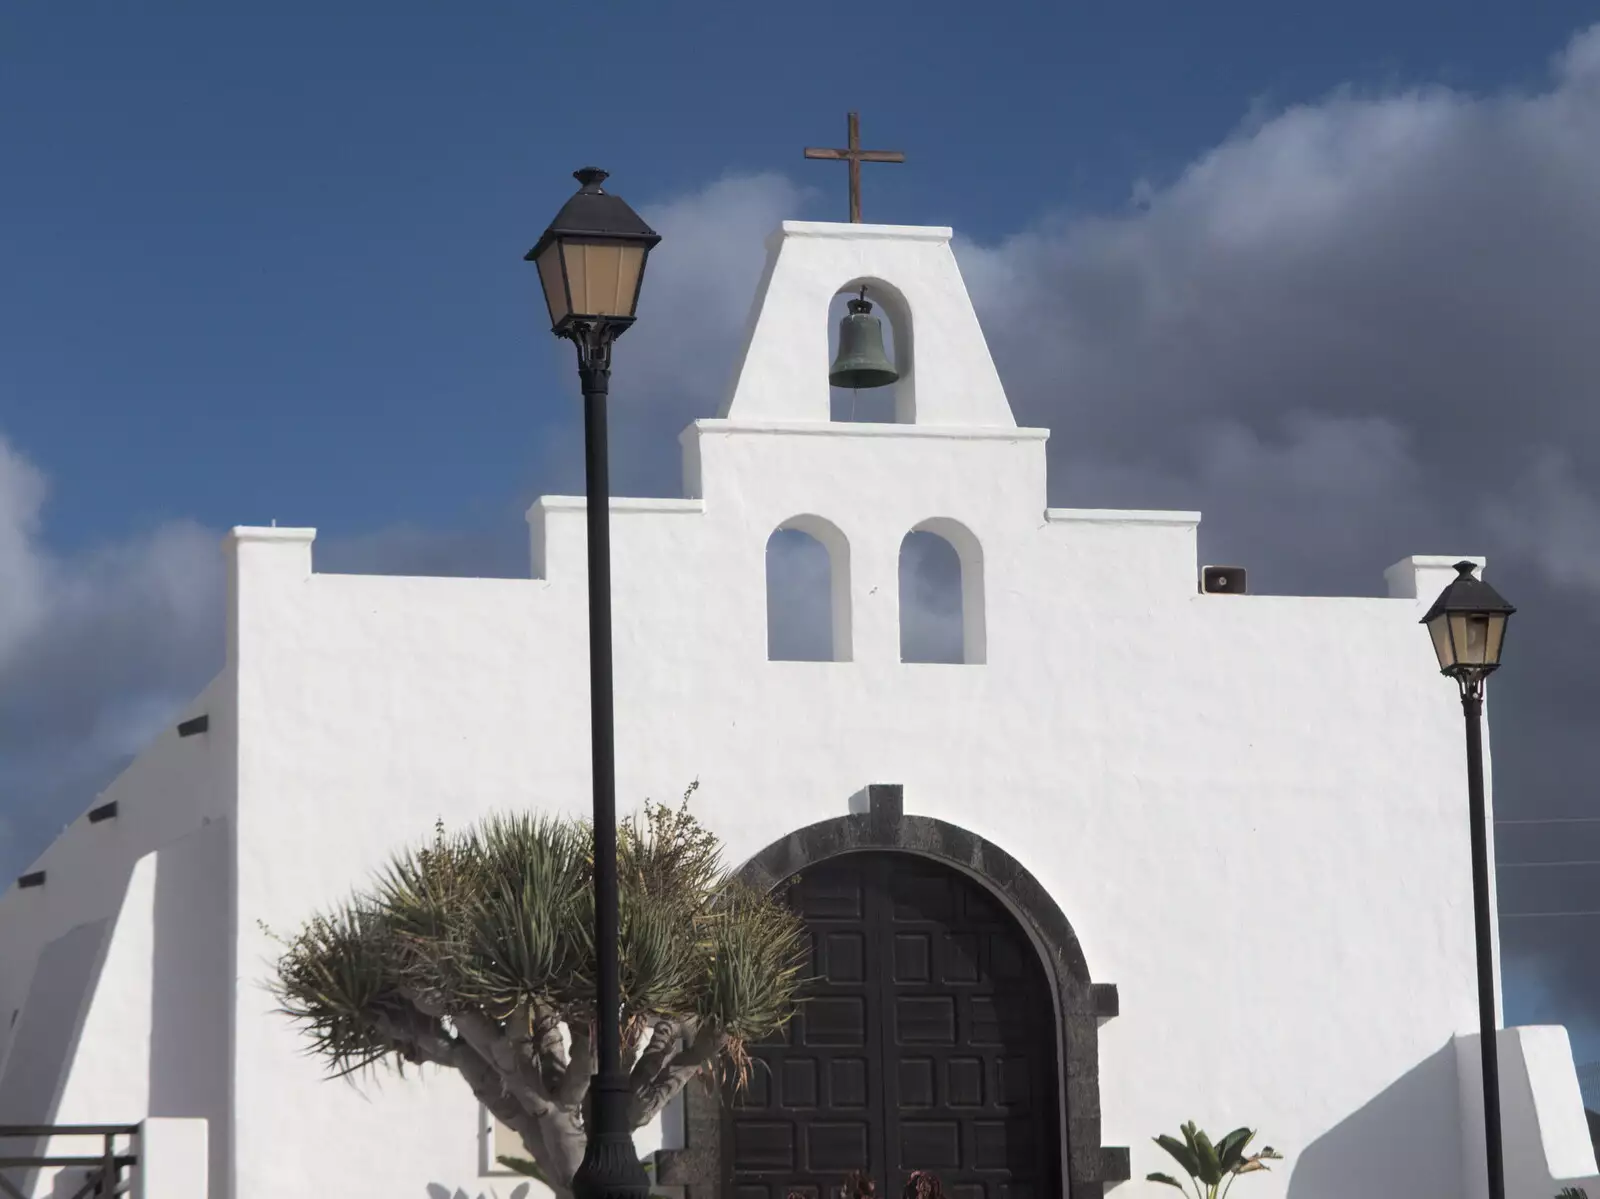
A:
[(1545, 1138), (172, 1160), (1252, 809)]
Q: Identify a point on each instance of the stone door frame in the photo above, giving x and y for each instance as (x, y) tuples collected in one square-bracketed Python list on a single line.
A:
[(1080, 1003)]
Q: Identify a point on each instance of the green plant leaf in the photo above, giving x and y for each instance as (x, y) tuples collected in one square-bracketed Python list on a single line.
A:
[(1182, 1154), (1230, 1150), (1166, 1178), (525, 1167), (1210, 1171)]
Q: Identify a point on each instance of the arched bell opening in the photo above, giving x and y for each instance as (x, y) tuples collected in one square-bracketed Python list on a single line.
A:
[(869, 354)]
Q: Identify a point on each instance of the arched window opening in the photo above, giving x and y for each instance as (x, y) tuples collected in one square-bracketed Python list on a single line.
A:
[(808, 593), (941, 595), (930, 599), (890, 403)]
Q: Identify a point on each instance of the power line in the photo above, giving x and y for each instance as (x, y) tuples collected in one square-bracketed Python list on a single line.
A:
[(1556, 820), (1546, 915)]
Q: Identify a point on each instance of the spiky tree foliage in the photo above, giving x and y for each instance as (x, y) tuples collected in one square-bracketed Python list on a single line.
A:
[(476, 953)]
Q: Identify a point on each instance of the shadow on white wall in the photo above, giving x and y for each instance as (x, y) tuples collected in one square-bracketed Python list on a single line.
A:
[(437, 1190), (1404, 1141)]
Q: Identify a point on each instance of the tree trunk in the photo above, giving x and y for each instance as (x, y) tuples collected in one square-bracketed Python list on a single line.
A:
[(559, 1149)]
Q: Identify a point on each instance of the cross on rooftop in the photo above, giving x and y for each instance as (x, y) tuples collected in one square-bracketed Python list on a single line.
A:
[(855, 156)]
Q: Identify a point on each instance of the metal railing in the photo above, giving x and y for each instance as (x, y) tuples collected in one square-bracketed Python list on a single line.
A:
[(104, 1169)]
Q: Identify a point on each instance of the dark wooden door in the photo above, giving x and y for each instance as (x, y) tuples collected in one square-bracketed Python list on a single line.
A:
[(926, 1042)]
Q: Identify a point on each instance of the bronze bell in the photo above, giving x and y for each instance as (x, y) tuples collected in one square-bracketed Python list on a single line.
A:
[(861, 362)]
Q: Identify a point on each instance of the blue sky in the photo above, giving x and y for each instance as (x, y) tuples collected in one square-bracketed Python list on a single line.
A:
[(260, 257), (265, 264)]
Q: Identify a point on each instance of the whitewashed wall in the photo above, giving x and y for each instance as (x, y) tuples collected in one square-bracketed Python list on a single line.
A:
[(1197, 779), (1200, 780), (95, 990), (171, 1159), (1252, 809), (173, 1156), (1545, 1139)]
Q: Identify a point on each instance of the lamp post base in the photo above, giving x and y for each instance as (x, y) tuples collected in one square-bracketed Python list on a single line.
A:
[(611, 1168)]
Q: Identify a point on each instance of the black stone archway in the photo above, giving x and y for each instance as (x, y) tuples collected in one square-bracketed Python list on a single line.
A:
[(1080, 1004)]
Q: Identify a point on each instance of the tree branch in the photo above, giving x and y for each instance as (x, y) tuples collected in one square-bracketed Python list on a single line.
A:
[(651, 1097), (419, 1039), (552, 1054), (496, 1048), (534, 1031), (665, 1037), (580, 1068), (521, 1033), (415, 1036), (428, 1002)]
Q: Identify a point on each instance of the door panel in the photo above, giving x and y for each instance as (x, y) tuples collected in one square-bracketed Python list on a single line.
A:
[(926, 1041)]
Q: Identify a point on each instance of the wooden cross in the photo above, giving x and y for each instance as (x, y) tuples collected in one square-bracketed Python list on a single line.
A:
[(855, 156)]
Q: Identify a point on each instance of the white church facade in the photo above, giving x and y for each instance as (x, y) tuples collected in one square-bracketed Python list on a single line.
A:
[(1147, 854)]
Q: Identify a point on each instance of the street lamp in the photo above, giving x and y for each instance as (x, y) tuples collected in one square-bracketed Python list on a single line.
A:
[(591, 262), (1468, 626)]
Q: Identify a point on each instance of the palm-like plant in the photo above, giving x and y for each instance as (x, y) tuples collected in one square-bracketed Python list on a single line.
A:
[(1212, 1167), (476, 953)]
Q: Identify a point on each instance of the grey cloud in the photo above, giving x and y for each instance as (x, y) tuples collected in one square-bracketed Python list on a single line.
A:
[(22, 493), (1425, 259), (930, 600), (501, 552), (677, 363), (99, 651), (799, 611), (96, 653), (1554, 519), (1357, 330), (799, 599)]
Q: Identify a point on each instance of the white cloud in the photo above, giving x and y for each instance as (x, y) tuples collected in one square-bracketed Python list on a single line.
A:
[(1342, 332), (1554, 519), (22, 572), (97, 651), (676, 364), (1323, 332)]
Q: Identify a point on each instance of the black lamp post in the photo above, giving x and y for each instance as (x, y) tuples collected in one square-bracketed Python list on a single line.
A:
[(591, 262), (1468, 625)]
